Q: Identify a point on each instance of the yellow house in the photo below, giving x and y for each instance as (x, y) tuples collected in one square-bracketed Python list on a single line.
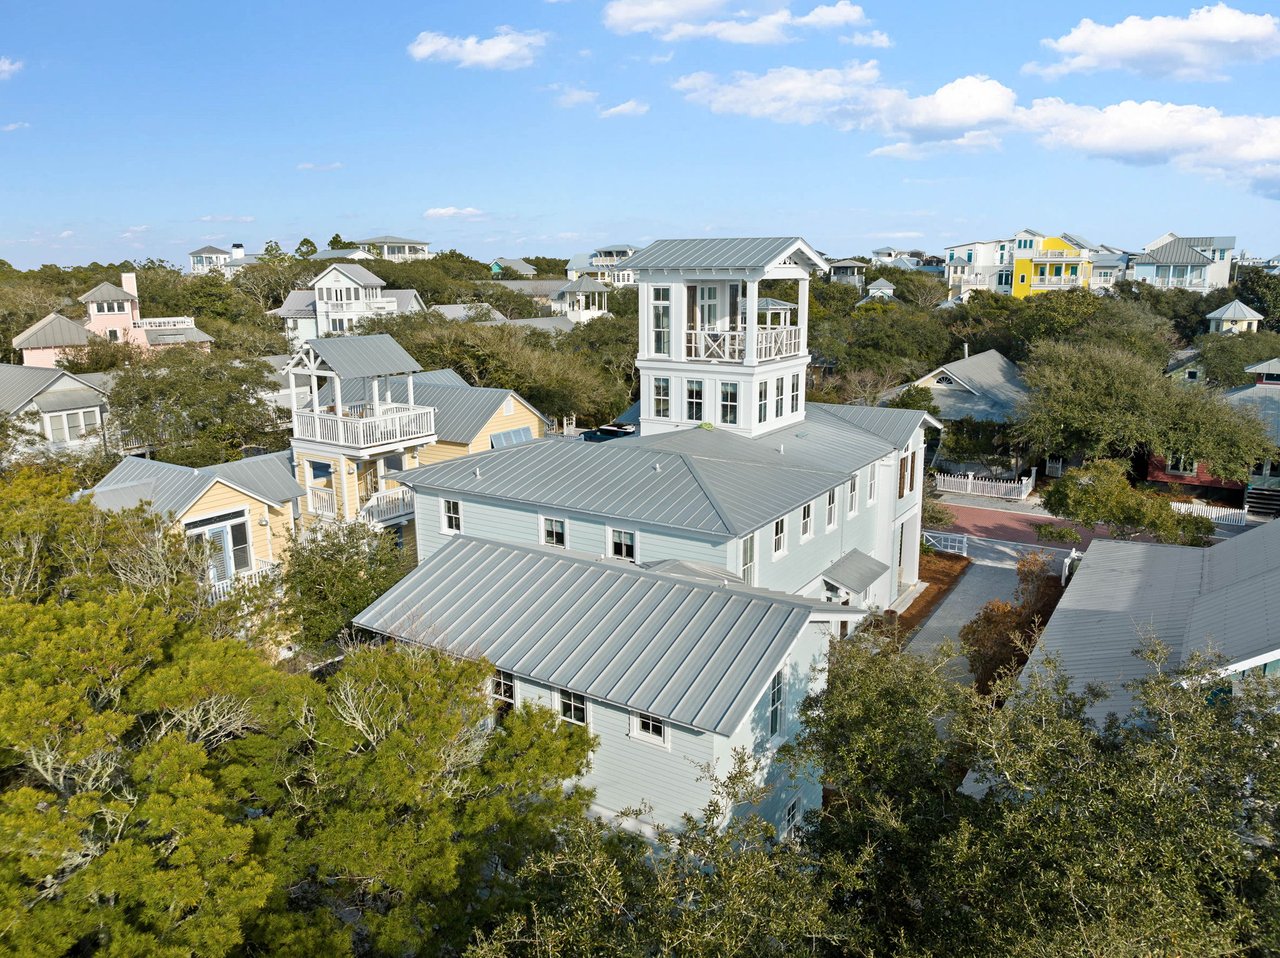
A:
[(243, 510), (368, 410), (1043, 263)]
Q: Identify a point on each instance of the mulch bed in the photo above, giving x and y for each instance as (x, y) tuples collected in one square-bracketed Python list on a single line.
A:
[(942, 570)]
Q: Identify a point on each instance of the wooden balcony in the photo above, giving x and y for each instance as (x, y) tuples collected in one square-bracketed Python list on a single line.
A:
[(777, 342), (261, 570), (730, 346), (358, 429), (388, 505)]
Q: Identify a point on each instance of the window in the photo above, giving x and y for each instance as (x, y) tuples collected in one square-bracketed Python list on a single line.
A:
[(553, 532), (708, 310), (662, 320), (871, 485), (661, 398), (693, 395), (729, 404), (780, 537), (226, 539), (71, 425), (945, 380), (393, 463), (775, 704), (573, 707), (806, 521), (853, 495), (503, 691), (779, 396), (649, 728), (795, 392), (1022, 277), (749, 559), (623, 545), (321, 471), (764, 401), (1182, 465), (1273, 468), (831, 509), (911, 478), (790, 819), (452, 510), (1193, 374), (113, 335)]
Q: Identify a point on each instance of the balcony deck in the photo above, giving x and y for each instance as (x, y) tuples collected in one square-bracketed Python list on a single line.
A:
[(358, 429), (730, 346)]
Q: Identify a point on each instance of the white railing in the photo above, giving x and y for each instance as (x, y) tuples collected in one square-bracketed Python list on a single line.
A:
[(946, 542), (715, 345), (388, 505), (322, 502), (261, 570), (1057, 280), (165, 322), (774, 342), (1060, 254), (395, 424), (967, 485), (1220, 514), (1166, 282)]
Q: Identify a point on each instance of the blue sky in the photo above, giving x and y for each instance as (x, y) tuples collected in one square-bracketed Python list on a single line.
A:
[(510, 128)]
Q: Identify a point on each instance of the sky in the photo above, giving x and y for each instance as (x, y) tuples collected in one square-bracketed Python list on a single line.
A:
[(549, 127)]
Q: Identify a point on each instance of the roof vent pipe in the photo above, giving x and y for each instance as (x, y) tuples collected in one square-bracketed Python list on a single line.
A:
[(477, 473), (657, 467), (780, 449), (966, 350)]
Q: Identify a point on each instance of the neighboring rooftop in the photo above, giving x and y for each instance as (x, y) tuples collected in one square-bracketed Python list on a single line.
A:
[(106, 292), (171, 489), (55, 331), (1179, 251), (988, 387), (723, 253), (519, 265), (19, 385), (209, 251), (359, 357), (394, 240), (1235, 310), (355, 272)]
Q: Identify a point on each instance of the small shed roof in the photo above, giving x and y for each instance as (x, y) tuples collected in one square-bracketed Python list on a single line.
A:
[(697, 653), (1235, 310), (855, 571), (172, 337), (583, 284), (359, 357), (53, 332)]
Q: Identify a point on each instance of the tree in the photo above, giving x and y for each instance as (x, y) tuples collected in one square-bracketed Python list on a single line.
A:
[(196, 408), (996, 640), (337, 242), (1260, 290), (1225, 357), (306, 248), (99, 355), (916, 397), (1100, 494)]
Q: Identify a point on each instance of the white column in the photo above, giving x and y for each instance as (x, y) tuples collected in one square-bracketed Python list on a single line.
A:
[(802, 295), (411, 389), (679, 321), (377, 403), (293, 393), (337, 396), (753, 318), (644, 309)]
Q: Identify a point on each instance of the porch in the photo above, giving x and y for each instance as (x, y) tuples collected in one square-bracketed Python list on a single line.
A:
[(360, 427)]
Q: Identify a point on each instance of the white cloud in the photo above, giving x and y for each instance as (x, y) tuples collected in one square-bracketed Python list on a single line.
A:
[(10, 127), (133, 231), (224, 218), (626, 108), (320, 167), (662, 57), (872, 38), (783, 94), (447, 212), (507, 49), (570, 96), (66, 234), (1199, 46), (673, 20), (9, 67)]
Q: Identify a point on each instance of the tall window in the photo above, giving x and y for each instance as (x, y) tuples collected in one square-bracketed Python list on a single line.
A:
[(831, 509), (693, 403), (790, 819), (902, 476), (780, 536), (729, 404), (452, 516), (503, 690), (911, 477), (853, 494), (775, 704), (623, 545), (764, 401), (573, 707), (226, 539), (779, 396), (662, 320), (806, 521), (708, 308), (795, 392), (749, 559), (871, 485), (553, 532), (661, 397)]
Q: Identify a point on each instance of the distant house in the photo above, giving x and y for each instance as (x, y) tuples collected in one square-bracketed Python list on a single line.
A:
[(1235, 317), (516, 265), (1262, 494), (986, 387), (114, 315), (243, 510), (541, 291), (984, 264), (338, 299), (582, 300), (850, 272), (1198, 263), (1190, 599), (880, 291), (207, 259), (51, 408), (325, 255), (238, 260), (480, 312), (398, 249), (1185, 366)]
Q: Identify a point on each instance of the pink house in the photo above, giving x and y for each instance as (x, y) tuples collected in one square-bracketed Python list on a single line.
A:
[(113, 314)]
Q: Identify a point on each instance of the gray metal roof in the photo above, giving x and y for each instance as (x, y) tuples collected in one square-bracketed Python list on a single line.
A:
[(1179, 251), (688, 479), (695, 653), (60, 400), (106, 292), (768, 302), (52, 332), (20, 384), (519, 265), (1263, 400), (322, 255), (358, 357), (550, 324), (996, 383), (383, 240), (1267, 366), (1078, 241), (172, 489), (1221, 598), (299, 303), (882, 284), (897, 427), (725, 253), (584, 284), (848, 262), (1235, 310), (856, 571), (170, 337), (407, 300), (208, 250), (579, 262), (461, 311), (544, 288), (355, 272), (440, 377)]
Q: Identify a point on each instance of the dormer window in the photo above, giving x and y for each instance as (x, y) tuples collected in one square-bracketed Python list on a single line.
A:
[(945, 380)]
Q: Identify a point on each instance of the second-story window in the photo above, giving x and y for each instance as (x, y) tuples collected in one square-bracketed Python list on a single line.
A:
[(573, 707), (775, 704), (806, 521), (902, 476), (779, 396), (780, 536), (795, 392), (452, 510), (553, 532), (662, 321), (503, 691), (661, 397), (911, 477), (831, 509), (764, 401), (749, 559), (708, 307), (623, 545), (871, 485), (853, 494), (729, 404), (693, 394)]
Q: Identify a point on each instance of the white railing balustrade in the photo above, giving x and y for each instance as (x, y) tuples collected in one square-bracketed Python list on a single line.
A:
[(261, 570), (322, 502), (167, 322), (946, 542), (395, 424), (1220, 514), (1056, 280), (967, 485), (713, 344), (388, 505), (775, 342)]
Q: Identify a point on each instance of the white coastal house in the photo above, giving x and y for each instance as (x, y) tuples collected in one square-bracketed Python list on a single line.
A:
[(51, 409), (1198, 263), (208, 259), (397, 249), (672, 589), (985, 264), (338, 299), (849, 272), (1235, 317)]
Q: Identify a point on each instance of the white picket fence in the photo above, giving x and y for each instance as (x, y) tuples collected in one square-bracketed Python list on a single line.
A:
[(1221, 514), (967, 485), (947, 542)]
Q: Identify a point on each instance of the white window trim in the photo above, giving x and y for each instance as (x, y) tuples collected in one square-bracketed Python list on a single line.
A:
[(634, 731), (779, 553), (444, 518), (832, 509), (781, 734), (635, 543), (852, 493), (806, 536), (515, 688), (586, 708), (543, 519), (871, 484)]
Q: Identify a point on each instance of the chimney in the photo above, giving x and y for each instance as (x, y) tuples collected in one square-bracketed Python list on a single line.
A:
[(237, 250), (129, 283)]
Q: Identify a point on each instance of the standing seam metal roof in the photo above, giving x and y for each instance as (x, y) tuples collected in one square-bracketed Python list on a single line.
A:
[(21, 384), (172, 489), (726, 253), (354, 272), (106, 292), (52, 332), (359, 357), (693, 652)]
